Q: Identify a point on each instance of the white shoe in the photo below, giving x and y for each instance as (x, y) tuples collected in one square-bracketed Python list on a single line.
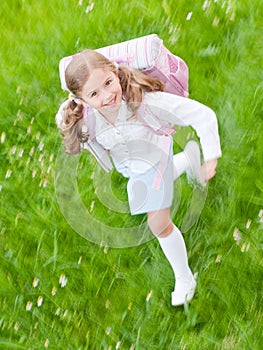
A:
[(184, 290), (192, 153)]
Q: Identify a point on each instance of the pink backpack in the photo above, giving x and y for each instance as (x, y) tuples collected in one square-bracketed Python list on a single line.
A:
[(149, 55)]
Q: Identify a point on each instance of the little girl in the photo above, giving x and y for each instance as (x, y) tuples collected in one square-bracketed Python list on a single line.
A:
[(120, 99)]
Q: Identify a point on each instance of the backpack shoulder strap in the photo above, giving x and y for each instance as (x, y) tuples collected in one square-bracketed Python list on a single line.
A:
[(151, 122), (92, 145)]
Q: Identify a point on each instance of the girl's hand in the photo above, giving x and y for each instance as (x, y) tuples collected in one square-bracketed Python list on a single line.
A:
[(208, 169)]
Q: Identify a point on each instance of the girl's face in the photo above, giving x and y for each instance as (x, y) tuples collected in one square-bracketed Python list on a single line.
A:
[(102, 90)]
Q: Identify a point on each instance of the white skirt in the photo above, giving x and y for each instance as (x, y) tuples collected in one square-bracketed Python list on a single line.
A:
[(143, 195)]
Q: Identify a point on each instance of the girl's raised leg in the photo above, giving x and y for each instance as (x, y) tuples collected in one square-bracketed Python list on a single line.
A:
[(188, 161)]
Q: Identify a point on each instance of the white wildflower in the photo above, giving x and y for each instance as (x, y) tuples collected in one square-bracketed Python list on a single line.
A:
[(232, 17), (8, 174), (39, 301), (107, 304), (248, 223), (19, 115), (80, 260), (89, 8), (38, 135), (1, 188), (229, 8), (41, 146), (54, 291), (34, 173), (189, 15), (35, 282), (29, 305), (20, 154), (46, 343), (92, 206), (63, 280), (29, 129), (118, 345), (149, 295), (237, 235), (218, 259), (215, 21), (3, 136), (13, 150), (31, 152), (245, 247), (45, 182), (205, 5), (16, 326), (76, 45), (108, 330)]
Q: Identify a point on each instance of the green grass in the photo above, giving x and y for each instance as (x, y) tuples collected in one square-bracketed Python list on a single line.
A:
[(120, 298)]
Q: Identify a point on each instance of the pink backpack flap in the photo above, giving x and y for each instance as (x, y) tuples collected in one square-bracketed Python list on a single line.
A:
[(149, 55)]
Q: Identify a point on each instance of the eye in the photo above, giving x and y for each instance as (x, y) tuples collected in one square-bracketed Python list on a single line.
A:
[(108, 82), (93, 94)]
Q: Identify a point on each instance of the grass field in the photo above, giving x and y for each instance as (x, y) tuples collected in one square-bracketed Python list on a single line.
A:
[(59, 290)]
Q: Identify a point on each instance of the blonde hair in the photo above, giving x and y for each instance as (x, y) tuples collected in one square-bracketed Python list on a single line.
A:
[(133, 83)]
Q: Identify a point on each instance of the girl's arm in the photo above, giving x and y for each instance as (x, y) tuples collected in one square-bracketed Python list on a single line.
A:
[(180, 111)]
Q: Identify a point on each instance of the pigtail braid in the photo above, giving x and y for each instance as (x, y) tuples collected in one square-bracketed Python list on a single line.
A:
[(71, 130)]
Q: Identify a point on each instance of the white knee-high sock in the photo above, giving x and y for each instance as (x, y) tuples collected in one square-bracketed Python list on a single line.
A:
[(174, 249), (180, 164)]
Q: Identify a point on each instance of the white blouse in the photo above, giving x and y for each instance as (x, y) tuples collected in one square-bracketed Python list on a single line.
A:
[(133, 147)]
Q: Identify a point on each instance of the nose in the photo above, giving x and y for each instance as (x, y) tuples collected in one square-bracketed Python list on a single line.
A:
[(106, 97)]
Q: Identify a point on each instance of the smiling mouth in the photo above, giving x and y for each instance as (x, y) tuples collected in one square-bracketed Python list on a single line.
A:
[(111, 103)]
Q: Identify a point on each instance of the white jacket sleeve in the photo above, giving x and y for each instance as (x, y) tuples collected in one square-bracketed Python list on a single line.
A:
[(181, 111)]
